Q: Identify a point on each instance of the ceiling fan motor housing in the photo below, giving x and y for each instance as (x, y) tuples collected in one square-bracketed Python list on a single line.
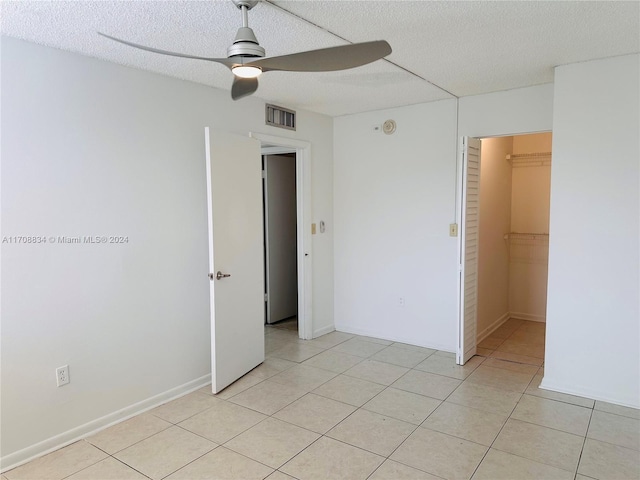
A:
[(245, 44)]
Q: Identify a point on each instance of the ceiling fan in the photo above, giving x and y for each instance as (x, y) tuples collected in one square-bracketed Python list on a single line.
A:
[(245, 58)]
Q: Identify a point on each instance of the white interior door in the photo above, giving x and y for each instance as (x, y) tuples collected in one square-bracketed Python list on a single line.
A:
[(236, 256), (280, 236), (469, 225)]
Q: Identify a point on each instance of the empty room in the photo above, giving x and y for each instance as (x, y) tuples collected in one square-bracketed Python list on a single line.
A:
[(320, 240)]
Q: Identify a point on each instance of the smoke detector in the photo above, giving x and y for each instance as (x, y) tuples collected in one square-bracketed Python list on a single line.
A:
[(389, 127)]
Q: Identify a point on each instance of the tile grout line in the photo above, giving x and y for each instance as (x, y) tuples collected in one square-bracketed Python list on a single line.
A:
[(584, 442), (135, 469), (132, 468), (496, 437), (82, 469), (408, 436), (189, 463)]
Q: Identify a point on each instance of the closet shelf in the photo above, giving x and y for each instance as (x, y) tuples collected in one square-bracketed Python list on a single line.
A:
[(531, 248), (530, 159), (526, 236)]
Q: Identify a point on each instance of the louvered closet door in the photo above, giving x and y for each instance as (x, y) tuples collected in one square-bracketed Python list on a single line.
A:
[(469, 248)]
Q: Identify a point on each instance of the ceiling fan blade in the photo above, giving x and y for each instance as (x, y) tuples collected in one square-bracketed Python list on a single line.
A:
[(224, 61), (327, 59), (243, 87)]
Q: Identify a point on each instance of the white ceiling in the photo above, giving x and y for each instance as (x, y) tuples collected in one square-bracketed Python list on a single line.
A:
[(465, 47)]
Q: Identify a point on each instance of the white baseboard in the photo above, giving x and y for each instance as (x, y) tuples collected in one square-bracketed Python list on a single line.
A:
[(392, 338), (51, 444), (586, 393), (528, 316), (323, 331), (492, 328)]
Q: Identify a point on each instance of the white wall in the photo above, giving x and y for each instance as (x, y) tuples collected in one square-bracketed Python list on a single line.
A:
[(495, 222), (593, 317), (522, 110), (92, 148), (394, 197)]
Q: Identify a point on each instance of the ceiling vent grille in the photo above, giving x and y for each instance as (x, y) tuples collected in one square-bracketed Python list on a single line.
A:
[(280, 117)]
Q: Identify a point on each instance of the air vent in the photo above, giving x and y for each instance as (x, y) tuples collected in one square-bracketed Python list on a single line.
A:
[(280, 117)]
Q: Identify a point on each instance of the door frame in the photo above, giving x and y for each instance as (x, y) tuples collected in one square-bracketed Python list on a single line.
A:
[(272, 144)]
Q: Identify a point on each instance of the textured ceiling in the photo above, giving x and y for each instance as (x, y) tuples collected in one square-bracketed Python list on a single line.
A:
[(466, 47)]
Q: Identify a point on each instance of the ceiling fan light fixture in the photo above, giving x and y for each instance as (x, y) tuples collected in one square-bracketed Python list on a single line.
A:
[(246, 71)]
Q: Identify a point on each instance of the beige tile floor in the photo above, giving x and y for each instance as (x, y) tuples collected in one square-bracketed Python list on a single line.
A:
[(349, 407)]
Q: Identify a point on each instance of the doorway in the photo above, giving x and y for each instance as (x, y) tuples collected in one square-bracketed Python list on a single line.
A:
[(280, 240), (300, 153), (504, 296)]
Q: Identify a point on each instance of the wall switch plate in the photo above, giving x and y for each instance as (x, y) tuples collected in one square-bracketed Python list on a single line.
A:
[(453, 230), (313, 229), (62, 375)]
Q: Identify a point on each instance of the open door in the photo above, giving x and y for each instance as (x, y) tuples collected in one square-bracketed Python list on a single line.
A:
[(469, 223), (280, 236), (236, 257)]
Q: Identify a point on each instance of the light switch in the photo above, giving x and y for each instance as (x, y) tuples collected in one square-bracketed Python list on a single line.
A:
[(313, 229), (453, 230)]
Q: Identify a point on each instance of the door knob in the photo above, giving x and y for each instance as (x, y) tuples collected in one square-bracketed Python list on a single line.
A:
[(220, 275)]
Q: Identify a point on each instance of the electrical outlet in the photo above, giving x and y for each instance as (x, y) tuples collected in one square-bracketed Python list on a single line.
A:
[(401, 301), (62, 375)]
